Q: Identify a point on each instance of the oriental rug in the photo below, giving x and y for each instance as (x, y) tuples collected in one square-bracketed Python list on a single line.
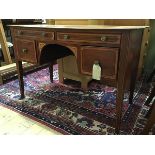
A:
[(70, 110)]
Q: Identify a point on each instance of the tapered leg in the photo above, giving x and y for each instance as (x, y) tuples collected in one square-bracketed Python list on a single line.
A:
[(84, 84), (20, 78), (51, 71), (126, 57), (120, 96), (121, 85), (119, 103), (132, 86), (134, 71), (60, 70)]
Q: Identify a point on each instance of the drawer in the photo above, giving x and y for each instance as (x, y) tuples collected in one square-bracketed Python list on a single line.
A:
[(30, 33), (25, 50), (107, 57), (93, 38)]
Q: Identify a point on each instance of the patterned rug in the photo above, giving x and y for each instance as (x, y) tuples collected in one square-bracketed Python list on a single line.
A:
[(70, 110)]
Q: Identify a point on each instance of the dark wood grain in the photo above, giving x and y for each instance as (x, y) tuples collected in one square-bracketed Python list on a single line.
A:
[(83, 37), (29, 54), (33, 34), (107, 58), (116, 48), (129, 57), (135, 45), (20, 77), (122, 68)]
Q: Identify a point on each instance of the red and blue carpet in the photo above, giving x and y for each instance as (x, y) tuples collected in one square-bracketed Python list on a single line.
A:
[(70, 110)]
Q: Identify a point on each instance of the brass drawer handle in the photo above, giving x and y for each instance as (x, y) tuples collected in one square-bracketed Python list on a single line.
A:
[(24, 50), (96, 62), (20, 32), (103, 38), (43, 34), (66, 36)]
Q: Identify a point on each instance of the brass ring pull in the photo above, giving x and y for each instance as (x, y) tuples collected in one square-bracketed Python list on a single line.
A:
[(43, 34), (24, 50), (96, 62), (66, 36), (103, 38), (20, 32)]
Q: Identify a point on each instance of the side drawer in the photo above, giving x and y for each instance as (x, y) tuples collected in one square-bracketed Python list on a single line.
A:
[(93, 38), (36, 34), (25, 50), (107, 58)]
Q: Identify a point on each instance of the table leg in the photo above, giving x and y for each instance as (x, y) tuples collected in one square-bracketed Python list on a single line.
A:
[(134, 71), (84, 84), (51, 71), (60, 70), (119, 103), (20, 78), (132, 87), (129, 55), (121, 88), (120, 95), (123, 64)]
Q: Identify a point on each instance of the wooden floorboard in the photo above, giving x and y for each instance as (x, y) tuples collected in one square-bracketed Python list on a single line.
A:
[(12, 123)]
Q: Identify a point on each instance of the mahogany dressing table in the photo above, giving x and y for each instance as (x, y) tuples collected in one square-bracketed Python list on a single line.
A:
[(116, 48)]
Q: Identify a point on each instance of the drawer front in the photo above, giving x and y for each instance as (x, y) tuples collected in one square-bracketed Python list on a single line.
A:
[(25, 50), (107, 57), (93, 38), (39, 34)]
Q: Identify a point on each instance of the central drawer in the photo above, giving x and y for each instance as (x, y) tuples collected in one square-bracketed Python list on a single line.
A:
[(107, 58), (93, 38)]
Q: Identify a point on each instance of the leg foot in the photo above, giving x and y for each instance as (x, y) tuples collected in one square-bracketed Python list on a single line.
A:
[(20, 78)]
